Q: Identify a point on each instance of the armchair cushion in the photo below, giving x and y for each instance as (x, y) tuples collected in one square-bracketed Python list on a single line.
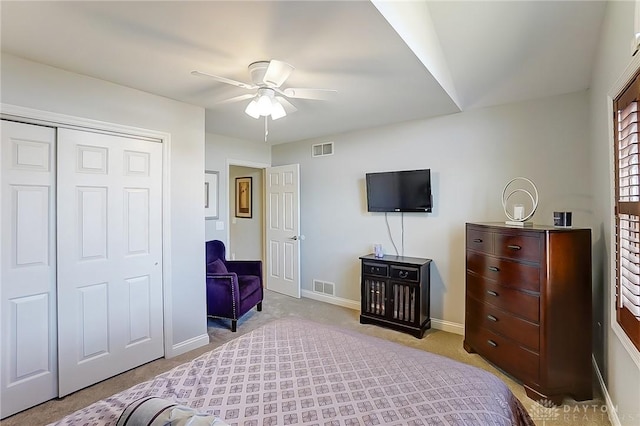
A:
[(248, 284), (216, 267)]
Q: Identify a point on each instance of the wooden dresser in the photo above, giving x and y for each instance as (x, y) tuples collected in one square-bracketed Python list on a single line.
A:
[(528, 305)]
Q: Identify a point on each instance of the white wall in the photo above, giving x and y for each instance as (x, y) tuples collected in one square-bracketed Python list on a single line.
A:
[(220, 152), (472, 155), (29, 84), (622, 376), (246, 238)]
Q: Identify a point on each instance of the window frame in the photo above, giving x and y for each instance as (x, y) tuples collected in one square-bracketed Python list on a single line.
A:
[(616, 89)]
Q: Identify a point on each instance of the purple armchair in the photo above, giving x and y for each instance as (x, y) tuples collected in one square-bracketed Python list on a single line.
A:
[(233, 286)]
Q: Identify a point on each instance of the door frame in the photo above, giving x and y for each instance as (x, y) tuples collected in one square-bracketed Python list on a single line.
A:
[(35, 116), (231, 201)]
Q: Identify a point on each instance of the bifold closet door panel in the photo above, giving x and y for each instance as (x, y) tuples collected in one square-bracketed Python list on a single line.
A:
[(110, 306), (28, 267)]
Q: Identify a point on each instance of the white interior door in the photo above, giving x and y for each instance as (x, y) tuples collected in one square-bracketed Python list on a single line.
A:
[(28, 356), (110, 271), (283, 229)]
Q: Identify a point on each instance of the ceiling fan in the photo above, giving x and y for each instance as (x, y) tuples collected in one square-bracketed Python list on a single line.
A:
[(269, 98)]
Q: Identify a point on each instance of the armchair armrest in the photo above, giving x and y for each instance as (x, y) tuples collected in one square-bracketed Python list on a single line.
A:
[(245, 267), (223, 295), (227, 281)]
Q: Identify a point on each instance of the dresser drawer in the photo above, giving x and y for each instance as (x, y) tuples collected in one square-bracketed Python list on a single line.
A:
[(522, 304), (506, 272), (518, 247), (479, 240), (487, 316), (509, 355), (404, 273), (375, 269)]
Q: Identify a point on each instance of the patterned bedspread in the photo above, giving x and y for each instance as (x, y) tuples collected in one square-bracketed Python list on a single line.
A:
[(293, 371)]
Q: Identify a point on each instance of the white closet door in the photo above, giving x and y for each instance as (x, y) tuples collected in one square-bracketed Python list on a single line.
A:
[(110, 264), (28, 267)]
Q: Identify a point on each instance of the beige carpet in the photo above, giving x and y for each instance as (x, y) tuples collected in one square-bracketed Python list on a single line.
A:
[(277, 306)]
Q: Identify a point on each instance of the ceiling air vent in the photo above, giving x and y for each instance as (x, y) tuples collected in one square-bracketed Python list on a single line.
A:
[(322, 149)]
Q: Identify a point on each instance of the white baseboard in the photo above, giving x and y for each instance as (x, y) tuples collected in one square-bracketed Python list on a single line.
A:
[(438, 324), (611, 408), (188, 345), (451, 327), (351, 304)]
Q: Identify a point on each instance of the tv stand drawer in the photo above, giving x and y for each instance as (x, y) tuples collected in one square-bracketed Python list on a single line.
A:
[(405, 273), (376, 269)]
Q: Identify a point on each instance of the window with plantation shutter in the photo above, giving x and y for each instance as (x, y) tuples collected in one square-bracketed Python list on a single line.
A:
[(627, 210)]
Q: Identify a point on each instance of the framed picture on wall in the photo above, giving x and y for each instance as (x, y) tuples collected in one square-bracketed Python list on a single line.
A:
[(211, 195), (243, 197)]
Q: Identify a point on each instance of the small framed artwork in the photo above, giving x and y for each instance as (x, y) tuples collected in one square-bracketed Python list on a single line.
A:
[(243, 197), (210, 194)]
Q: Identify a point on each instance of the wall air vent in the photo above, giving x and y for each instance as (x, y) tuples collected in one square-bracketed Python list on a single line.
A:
[(322, 149), (323, 287), (328, 288)]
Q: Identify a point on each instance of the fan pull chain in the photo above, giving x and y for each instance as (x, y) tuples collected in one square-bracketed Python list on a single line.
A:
[(266, 127)]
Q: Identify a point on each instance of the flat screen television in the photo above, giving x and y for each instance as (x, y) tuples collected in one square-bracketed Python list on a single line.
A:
[(399, 191)]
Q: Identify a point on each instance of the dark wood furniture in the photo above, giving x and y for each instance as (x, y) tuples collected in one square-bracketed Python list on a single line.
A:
[(395, 293), (528, 305)]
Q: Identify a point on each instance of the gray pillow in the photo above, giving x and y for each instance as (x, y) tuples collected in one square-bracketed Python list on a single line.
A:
[(153, 411)]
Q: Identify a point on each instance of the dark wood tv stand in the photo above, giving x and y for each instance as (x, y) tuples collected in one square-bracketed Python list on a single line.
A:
[(395, 293)]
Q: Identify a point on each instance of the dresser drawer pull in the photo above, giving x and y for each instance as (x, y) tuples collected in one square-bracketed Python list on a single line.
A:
[(514, 247), (494, 268), (492, 343), (492, 293), (477, 240), (492, 318), (403, 274)]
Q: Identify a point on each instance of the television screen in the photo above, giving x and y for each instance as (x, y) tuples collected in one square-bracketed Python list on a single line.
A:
[(399, 191)]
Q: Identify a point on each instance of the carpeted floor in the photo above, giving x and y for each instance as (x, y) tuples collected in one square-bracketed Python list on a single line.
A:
[(276, 306)]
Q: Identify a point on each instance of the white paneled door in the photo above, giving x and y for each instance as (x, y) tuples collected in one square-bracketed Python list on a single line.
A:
[(283, 229), (28, 267), (110, 268)]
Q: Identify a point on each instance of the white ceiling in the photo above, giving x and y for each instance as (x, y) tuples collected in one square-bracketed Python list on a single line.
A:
[(494, 52)]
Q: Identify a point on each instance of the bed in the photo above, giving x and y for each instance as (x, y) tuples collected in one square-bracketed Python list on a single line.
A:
[(294, 371)]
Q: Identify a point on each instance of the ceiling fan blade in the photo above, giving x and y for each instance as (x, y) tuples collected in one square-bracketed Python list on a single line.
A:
[(277, 73), (235, 99), (288, 106), (224, 80), (317, 94)]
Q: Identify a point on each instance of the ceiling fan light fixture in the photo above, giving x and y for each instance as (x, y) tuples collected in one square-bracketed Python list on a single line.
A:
[(277, 110), (264, 105), (252, 109), (267, 77)]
